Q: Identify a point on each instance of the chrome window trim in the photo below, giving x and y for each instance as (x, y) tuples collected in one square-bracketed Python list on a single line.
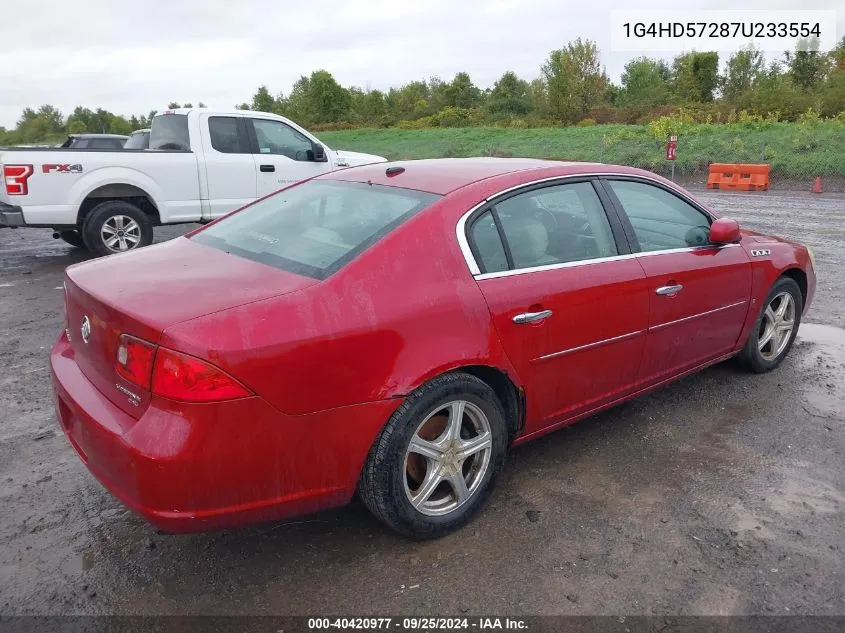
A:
[(696, 316), (475, 270), (572, 350), (596, 260)]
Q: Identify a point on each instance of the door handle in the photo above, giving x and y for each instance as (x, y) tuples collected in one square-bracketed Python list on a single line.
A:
[(531, 317), (267, 168), (669, 291)]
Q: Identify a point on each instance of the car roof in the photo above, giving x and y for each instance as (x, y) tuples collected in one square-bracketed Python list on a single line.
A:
[(97, 136), (444, 175)]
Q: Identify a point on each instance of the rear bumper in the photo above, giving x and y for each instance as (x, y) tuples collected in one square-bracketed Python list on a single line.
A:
[(11, 216), (191, 468)]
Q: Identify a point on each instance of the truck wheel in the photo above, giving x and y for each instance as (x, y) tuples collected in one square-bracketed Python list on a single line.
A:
[(74, 238), (116, 226)]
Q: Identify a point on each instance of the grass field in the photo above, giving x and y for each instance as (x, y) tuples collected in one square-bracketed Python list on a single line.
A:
[(795, 151)]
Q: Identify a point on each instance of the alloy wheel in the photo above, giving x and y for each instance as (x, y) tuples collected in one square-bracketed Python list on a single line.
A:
[(777, 326), (447, 458), (120, 233)]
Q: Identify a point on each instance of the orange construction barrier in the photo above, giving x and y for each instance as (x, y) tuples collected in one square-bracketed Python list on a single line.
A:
[(737, 176)]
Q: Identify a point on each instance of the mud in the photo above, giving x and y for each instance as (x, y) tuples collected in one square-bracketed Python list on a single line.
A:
[(721, 494)]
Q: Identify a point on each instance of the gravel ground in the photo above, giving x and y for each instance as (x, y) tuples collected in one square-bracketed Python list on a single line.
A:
[(720, 494)]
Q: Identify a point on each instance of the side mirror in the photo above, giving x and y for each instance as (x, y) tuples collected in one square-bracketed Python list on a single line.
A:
[(724, 231), (319, 153)]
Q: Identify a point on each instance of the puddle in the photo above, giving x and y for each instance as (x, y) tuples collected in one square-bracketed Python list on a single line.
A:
[(827, 335), (823, 370)]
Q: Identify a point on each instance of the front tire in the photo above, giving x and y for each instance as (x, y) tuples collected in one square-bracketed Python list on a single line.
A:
[(775, 329), (434, 463), (116, 226)]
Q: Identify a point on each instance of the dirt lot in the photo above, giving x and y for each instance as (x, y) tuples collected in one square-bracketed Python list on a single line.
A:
[(722, 494)]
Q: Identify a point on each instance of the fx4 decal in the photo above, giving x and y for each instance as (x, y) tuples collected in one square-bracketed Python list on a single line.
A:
[(761, 252), (62, 169)]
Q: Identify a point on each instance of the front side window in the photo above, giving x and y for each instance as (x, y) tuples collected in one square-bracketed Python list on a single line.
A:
[(226, 135), (661, 220), (274, 137), (315, 228), (556, 224)]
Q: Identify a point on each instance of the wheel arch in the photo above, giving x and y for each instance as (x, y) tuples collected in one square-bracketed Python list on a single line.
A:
[(117, 184), (800, 278), (511, 395)]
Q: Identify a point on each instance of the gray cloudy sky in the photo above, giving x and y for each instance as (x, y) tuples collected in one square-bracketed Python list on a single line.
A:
[(101, 53)]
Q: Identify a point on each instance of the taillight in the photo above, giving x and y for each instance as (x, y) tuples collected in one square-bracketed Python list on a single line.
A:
[(135, 360), (178, 376), (15, 177)]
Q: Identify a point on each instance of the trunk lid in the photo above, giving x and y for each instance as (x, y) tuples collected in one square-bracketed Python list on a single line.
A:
[(143, 292)]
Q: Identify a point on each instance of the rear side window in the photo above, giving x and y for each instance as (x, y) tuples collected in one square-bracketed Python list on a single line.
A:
[(315, 228), (487, 244), (227, 136), (170, 131), (555, 225)]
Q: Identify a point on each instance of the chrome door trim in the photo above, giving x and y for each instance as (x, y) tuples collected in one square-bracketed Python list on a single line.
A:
[(696, 316), (463, 243), (605, 341)]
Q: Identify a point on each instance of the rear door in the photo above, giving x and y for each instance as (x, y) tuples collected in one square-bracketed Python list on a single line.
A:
[(283, 155), (229, 165), (699, 292), (567, 298)]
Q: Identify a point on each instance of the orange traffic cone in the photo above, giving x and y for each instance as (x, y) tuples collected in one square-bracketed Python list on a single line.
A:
[(817, 186)]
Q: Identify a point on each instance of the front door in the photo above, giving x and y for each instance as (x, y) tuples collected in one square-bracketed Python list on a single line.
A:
[(699, 292), (569, 304), (282, 155)]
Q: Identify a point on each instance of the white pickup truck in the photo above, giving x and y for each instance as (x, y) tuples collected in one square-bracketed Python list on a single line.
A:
[(201, 164)]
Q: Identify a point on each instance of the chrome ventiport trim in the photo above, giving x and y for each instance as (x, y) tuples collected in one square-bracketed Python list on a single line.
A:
[(572, 350), (700, 314)]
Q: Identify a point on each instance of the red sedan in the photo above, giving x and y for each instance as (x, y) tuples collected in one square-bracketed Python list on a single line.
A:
[(393, 329)]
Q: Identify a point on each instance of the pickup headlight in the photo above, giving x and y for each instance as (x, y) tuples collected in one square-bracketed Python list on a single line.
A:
[(812, 257)]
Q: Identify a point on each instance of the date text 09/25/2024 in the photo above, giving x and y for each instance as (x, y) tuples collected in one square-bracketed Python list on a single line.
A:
[(418, 624)]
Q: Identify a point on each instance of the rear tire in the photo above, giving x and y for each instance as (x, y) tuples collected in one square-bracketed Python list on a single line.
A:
[(458, 423), (74, 238), (116, 226), (775, 328)]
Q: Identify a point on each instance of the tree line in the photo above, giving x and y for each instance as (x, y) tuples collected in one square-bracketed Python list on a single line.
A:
[(572, 89)]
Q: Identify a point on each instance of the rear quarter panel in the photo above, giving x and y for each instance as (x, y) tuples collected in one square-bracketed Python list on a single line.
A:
[(403, 312)]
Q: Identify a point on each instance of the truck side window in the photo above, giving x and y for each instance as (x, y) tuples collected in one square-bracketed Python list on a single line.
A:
[(274, 137), (226, 135)]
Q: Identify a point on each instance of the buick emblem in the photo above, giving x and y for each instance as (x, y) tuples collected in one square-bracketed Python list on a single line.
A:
[(86, 329)]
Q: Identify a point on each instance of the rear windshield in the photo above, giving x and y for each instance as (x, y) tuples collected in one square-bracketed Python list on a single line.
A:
[(170, 131), (315, 228)]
